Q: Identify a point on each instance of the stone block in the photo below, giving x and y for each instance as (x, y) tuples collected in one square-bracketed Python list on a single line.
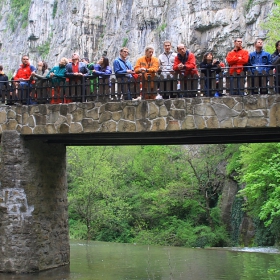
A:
[(63, 128), (158, 124), (199, 122), (105, 117), (240, 122), (116, 116), (153, 110), (173, 125), (90, 125), (129, 113), (212, 122), (11, 114), (39, 129), (177, 114), (227, 123), (109, 126), (26, 130), (274, 115), (126, 126), (113, 106), (75, 127), (142, 110), (143, 125), (93, 113), (51, 129), (257, 122), (78, 115), (188, 123), (163, 112), (3, 117), (31, 121)]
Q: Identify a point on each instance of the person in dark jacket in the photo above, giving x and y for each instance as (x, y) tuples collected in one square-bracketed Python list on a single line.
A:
[(76, 68), (211, 68), (4, 84), (275, 60)]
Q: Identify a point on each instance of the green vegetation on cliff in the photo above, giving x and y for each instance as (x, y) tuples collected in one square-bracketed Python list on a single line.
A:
[(20, 9)]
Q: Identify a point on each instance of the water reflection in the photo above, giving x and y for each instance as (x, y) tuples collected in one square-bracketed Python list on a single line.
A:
[(113, 261)]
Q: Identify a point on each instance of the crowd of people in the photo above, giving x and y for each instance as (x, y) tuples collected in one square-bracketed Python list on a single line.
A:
[(239, 60)]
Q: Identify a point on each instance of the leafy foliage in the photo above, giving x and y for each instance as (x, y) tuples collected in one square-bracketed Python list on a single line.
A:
[(146, 194), (20, 10), (272, 26)]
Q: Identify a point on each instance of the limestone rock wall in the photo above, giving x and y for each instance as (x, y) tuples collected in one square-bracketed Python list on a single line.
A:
[(90, 27)]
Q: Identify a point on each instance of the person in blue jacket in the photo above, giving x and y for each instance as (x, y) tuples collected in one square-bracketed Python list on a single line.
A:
[(123, 68), (259, 61)]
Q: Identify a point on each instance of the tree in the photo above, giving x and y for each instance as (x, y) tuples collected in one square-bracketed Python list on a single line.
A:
[(272, 26), (260, 173)]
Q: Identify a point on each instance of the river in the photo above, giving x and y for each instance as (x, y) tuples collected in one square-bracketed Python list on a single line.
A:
[(116, 261)]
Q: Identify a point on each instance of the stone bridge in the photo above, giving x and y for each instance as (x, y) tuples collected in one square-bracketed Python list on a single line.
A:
[(33, 190)]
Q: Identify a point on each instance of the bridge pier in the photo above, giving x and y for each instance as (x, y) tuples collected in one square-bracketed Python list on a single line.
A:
[(33, 205)]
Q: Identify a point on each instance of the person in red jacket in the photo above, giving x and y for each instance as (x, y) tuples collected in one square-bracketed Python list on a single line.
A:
[(237, 59), (185, 64), (22, 79)]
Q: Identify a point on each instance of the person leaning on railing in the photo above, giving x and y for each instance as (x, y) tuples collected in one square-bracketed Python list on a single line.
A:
[(166, 61), (211, 68), (58, 78), (185, 64), (259, 61), (22, 80), (147, 66), (237, 59), (4, 84), (124, 69), (275, 60)]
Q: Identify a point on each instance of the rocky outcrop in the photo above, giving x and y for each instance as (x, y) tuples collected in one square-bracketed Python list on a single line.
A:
[(59, 28)]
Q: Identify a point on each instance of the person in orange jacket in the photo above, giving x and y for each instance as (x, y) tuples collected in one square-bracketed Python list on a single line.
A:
[(185, 64), (237, 59), (146, 66)]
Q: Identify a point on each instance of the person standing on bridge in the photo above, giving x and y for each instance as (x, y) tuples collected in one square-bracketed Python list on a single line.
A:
[(123, 68), (57, 76), (237, 59), (259, 61), (147, 66), (22, 79), (275, 59), (185, 65), (4, 84), (75, 71), (166, 62)]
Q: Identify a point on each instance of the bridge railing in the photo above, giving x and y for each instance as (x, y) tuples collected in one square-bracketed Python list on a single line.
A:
[(91, 88)]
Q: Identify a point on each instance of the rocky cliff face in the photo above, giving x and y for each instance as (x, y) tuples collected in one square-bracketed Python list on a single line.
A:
[(57, 28)]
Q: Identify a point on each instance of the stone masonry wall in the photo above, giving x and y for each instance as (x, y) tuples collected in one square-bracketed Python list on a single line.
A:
[(143, 116), (33, 205)]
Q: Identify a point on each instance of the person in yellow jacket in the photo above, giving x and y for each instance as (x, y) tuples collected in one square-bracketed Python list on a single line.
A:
[(146, 66)]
